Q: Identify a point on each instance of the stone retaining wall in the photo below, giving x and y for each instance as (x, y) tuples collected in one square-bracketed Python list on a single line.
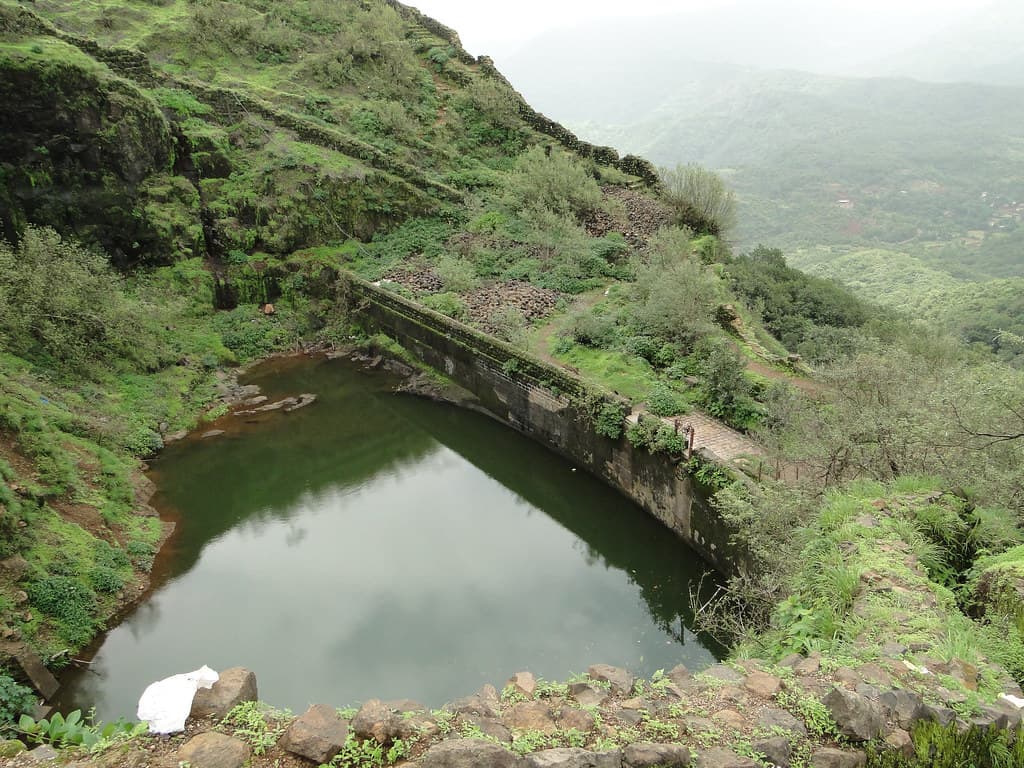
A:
[(554, 408)]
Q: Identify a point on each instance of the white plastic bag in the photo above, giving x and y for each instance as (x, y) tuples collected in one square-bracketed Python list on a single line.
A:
[(165, 704)]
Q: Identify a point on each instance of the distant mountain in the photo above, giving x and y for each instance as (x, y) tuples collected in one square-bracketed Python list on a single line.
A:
[(860, 162), (984, 48)]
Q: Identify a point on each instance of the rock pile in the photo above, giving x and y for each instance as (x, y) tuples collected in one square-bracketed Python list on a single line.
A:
[(530, 300), (644, 214), (417, 279)]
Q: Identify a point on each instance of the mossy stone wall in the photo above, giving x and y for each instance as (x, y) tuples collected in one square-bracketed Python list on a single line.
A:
[(552, 407)]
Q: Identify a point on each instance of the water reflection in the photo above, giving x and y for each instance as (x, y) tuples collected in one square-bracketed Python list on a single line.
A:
[(380, 545)]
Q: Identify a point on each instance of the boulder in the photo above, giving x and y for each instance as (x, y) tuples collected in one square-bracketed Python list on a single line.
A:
[(524, 683), (214, 750), (938, 713), (494, 729), (771, 718), (808, 666), (36, 672), (620, 680), (588, 694), (15, 567), (234, 686), (777, 750), (531, 716), (987, 715), (837, 758), (724, 673), (858, 718), (570, 718), (903, 707), (489, 694), (900, 741), (680, 675), (302, 401), (762, 684), (573, 757), (729, 718), (472, 705), (723, 758), (44, 753), (318, 735), (629, 716), (376, 720), (415, 724), (695, 726), (469, 753), (645, 754)]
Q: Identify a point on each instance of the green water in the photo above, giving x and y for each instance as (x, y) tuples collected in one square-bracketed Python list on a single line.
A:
[(380, 545)]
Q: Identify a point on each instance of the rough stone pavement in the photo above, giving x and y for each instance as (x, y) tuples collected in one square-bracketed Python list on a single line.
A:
[(711, 437)]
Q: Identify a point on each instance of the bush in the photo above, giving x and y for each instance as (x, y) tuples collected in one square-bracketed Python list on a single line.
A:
[(104, 579), (141, 554), (447, 304), (509, 324), (609, 420), (63, 305), (592, 330), (699, 199), (457, 275), (111, 557), (675, 302), (727, 393), (69, 602), (251, 335), (556, 182), (15, 699), (663, 401)]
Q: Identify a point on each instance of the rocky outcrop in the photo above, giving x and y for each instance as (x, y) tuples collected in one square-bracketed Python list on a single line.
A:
[(86, 153)]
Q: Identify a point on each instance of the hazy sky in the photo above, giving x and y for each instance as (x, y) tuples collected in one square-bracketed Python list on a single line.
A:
[(499, 27)]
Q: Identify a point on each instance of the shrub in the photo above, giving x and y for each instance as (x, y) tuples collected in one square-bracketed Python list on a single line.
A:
[(457, 275), (609, 420), (726, 391), (699, 199), (251, 335), (15, 699), (553, 181), (104, 579), (592, 330), (509, 324), (664, 401), (69, 602), (447, 304), (63, 305), (675, 302)]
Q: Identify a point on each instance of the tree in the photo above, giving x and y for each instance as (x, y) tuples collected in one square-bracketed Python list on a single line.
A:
[(699, 199)]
